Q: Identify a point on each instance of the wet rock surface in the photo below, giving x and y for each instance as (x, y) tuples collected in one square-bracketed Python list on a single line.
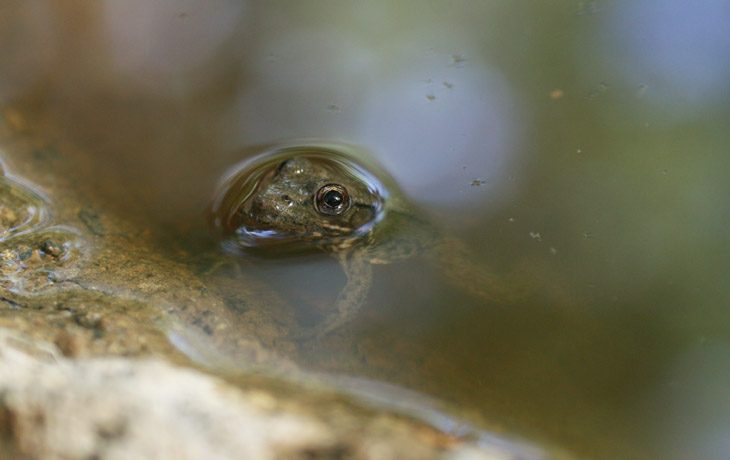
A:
[(114, 408), (107, 287)]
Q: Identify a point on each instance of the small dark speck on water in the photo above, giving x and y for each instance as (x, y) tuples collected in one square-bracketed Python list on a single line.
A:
[(333, 108), (478, 182), (448, 85), (587, 8), (458, 59), (430, 97), (600, 88), (587, 235)]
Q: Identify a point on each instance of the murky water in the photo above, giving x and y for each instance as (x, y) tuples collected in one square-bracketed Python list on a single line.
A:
[(576, 151)]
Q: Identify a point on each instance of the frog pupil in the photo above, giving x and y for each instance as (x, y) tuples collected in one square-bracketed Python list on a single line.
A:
[(333, 198)]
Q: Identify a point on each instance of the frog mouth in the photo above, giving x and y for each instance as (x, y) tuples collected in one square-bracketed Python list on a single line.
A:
[(253, 236)]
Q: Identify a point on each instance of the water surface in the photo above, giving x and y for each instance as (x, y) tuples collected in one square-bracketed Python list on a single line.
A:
[(581, 145)]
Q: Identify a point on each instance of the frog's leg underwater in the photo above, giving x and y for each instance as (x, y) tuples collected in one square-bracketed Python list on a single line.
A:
[(359, 272)]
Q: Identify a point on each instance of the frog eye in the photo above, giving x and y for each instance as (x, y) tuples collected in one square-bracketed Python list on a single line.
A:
[(331, 200)]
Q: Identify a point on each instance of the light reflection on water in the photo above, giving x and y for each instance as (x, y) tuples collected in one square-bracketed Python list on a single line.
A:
[(595, 146), (438, 105), (683, 50), (690, 409)]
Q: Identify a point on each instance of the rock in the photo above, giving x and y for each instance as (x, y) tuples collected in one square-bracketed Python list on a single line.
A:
[(52, 407)]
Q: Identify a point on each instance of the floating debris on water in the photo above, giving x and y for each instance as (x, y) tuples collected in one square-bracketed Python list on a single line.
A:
[(556, 94), (447, 84), (600, 88), (585, 8), (458, 59), (430, 97), (536, 236), (478, 182)]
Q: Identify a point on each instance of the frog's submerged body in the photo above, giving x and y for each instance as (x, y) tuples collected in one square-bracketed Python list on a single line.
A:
[(316, 197)]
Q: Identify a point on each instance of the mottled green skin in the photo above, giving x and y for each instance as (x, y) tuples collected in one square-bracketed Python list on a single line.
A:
[(286, 204)]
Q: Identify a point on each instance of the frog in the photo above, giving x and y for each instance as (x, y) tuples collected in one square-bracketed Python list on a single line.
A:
[(331, 198)]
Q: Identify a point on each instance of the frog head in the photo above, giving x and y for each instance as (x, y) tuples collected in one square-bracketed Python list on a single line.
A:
[(301, 197)]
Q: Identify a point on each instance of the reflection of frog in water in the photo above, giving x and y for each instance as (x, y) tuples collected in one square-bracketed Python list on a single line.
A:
[(317, 197)]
